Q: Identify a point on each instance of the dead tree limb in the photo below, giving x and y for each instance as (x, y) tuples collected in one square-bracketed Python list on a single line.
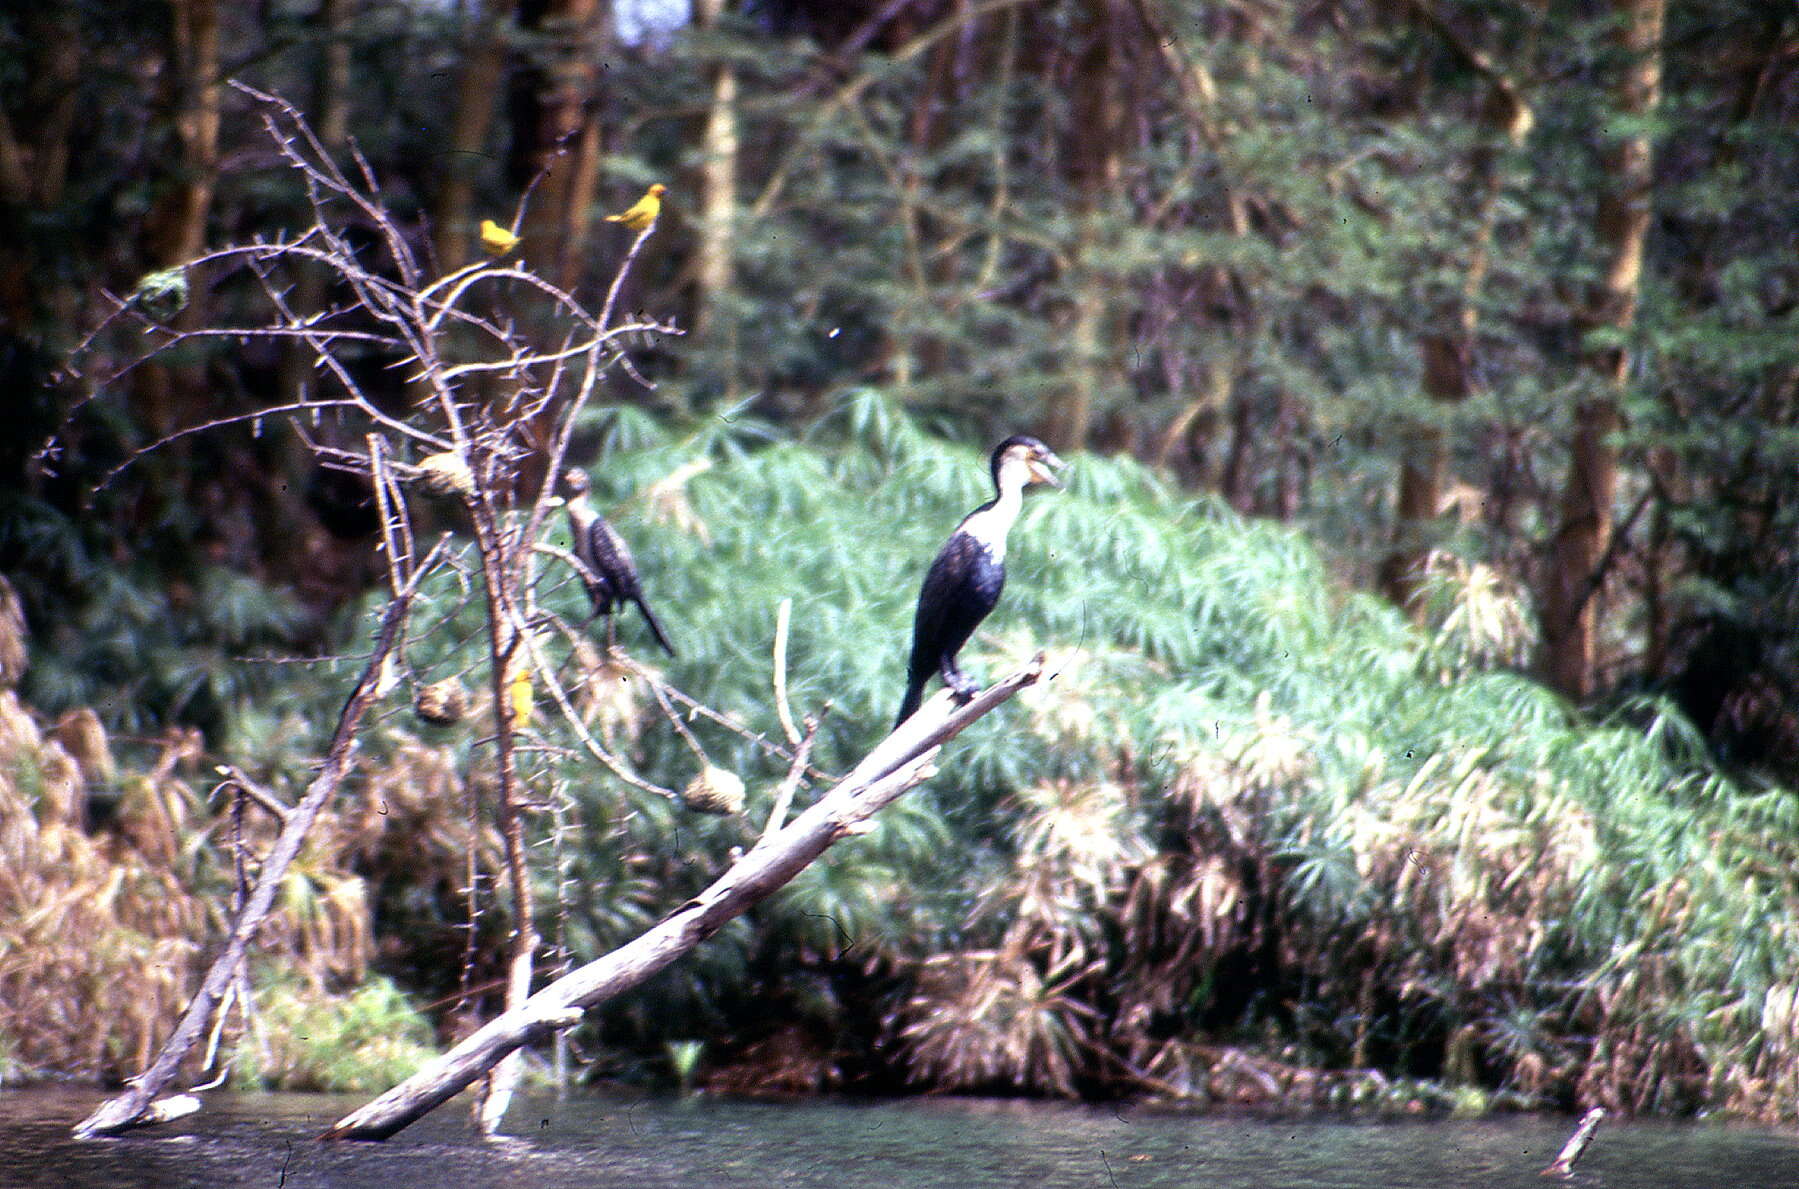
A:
[(1563, 1164), (896, 764), (134, 1105)]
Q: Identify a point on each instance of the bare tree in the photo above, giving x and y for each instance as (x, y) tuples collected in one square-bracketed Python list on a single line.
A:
[(481, 389)]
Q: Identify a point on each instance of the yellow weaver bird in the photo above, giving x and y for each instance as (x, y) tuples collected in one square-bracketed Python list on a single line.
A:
[(519, 692), (643, 212), (496, 239)]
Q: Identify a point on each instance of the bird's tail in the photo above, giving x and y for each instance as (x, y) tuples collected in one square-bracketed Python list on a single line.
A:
[(655, 628), (909, 704)]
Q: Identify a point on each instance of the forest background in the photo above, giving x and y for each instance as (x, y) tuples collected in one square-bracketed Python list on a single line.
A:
[(1422, 611)]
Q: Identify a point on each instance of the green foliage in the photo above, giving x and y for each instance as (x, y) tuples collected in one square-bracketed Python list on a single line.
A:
[(141, 649), (355, 1043), (1224, 728)]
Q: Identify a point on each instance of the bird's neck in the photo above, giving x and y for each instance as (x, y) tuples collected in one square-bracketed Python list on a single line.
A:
[(990, 523), (580, 512)]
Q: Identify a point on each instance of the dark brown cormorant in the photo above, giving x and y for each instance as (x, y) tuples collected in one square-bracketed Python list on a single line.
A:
[(611, 576), (963, 584)]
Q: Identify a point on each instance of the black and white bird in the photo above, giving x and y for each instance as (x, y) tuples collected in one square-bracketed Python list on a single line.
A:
[(611, 574), (963, 584)]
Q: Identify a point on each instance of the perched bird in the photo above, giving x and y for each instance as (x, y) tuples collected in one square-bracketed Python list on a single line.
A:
[(611, 576), (963, 584), (643, 212), (496, 239), (518, 692)]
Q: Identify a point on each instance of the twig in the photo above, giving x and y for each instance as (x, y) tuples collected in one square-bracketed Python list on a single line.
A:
[(674, 720), (236, 781), (795, 773), (759, 738), (594, 748), (783, 614)]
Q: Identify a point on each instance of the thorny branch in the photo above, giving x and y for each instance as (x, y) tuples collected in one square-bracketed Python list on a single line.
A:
[(479, 388)]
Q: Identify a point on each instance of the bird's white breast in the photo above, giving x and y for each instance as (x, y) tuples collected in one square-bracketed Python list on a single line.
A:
[(988, 528)]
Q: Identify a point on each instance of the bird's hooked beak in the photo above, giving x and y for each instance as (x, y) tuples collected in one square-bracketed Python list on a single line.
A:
[(1044, 467)]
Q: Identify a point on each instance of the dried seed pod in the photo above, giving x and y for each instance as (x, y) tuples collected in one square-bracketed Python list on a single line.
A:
[(714, 790), (442, 702), (446, 474)]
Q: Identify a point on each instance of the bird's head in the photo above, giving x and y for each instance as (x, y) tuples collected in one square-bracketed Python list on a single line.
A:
[(658, 189), (576, 482), (1030, 457)]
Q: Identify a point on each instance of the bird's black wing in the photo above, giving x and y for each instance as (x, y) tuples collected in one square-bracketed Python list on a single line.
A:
[(960, 589), (618, 569), (612, 560)]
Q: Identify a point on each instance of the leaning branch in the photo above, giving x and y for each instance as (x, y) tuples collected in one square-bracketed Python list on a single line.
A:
[(1563, 1164), (897, 763), (136, 1104)]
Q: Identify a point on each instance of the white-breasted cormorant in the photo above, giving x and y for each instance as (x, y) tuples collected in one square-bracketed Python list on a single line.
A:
[(611, 576), (963, 584)]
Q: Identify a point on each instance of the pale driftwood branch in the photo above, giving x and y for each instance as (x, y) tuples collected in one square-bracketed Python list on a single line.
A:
[(896, 764), (133, 1106), (1563, 1164)]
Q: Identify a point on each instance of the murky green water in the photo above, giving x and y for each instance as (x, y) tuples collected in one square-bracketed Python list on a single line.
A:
[(649, 1143)]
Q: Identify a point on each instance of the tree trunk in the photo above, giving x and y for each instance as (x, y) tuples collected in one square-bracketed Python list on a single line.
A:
[(713, 268), (133, 1105), (508, 659), (177, 223), (1095, 164), (1446, 348), (36, 147), (557, 135), (477, 88), (1567, 602), (331, 121), (175, 228)]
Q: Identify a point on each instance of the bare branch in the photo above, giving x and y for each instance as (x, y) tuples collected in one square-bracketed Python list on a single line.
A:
[(131, 1106), (783, 618), (796, 772), (236, 781)]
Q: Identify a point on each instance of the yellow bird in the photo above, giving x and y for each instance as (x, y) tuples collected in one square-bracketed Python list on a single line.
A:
[(644, 211), (496, 239), (519, 693)]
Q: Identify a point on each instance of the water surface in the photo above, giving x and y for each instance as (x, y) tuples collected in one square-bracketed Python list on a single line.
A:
[(634, 1142)]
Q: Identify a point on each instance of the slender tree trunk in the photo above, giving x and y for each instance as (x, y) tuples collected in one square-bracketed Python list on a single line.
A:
[(477, 90), (1446, 348), (177, 223), (1567, 595), (507, 658), (331, 121), (35, 151), (175, 229), (132, 1105), (557, 134), (714, 269), (1096, 165)]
